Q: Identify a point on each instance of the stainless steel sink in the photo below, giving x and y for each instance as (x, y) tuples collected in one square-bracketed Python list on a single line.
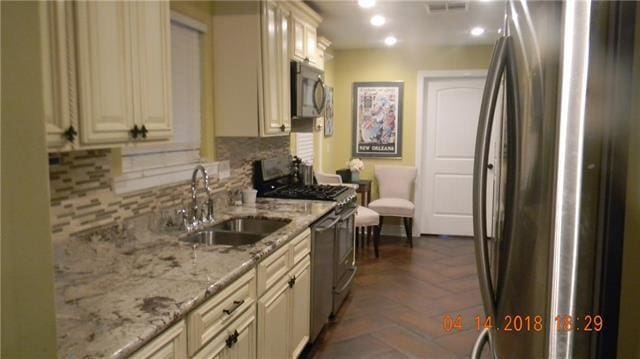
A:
[(211, 237), (251, 225), (237, 231)]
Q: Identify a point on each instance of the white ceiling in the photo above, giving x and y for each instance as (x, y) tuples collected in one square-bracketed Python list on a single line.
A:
[(347, 25)]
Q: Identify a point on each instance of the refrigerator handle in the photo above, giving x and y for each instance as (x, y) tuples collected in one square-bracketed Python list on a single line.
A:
[(481, 341), (483, 143)]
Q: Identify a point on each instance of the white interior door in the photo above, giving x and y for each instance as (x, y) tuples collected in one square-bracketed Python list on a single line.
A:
[(452, 107)]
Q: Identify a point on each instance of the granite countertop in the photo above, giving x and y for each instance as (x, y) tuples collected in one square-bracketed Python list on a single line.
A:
[(118, 287)]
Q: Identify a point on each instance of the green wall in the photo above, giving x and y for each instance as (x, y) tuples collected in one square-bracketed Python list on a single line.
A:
[(388, 64), (28, 318)]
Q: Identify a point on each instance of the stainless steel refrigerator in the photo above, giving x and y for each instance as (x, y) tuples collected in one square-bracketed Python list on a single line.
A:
[(564, 72)]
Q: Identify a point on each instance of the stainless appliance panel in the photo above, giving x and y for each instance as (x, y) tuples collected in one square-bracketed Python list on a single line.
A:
[(308, 91), (322, 247), (344, 264)]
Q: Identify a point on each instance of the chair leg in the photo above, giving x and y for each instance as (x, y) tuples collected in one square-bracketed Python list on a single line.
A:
[(376, 240), (380, 225), (369, 228), (408, 224)]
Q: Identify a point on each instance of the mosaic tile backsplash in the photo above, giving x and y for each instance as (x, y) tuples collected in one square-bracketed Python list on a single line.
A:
[(82, 197), (243, 151)]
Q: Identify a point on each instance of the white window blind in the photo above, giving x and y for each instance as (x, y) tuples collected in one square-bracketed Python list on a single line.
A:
[(186, 74), (304, 147)]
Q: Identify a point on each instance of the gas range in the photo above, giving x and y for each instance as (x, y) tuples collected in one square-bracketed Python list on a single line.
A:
[(342, 195)]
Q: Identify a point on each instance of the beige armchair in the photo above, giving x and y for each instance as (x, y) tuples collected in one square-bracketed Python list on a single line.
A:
[(395, 185), (365, 217)]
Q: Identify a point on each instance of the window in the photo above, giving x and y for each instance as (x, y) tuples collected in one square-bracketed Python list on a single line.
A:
[(166, 163), (304, 147)]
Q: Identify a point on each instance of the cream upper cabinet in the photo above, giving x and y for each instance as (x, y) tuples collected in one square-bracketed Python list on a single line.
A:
[(303, 37), (152, 67), (57, 62), (105, 71), (321, 52), (123, 71), (276, 113), (251, 68)]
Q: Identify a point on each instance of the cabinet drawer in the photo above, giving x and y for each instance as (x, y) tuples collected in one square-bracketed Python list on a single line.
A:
[(209, 319), (243, 330), (301, 246), (272, 268), (170, 344)]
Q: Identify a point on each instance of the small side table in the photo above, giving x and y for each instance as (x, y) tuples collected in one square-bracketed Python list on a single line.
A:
[(364, 188)]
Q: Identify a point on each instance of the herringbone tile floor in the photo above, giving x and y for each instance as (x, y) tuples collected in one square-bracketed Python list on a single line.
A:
[(398, 302)]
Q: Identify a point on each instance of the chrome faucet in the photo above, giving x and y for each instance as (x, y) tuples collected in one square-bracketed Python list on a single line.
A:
[(197, 216)]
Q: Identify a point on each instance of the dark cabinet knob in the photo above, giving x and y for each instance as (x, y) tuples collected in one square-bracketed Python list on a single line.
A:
[(292, 282), (70, 134), (135, 131), (283, 128), (144, 131), (490, 166), (232, 339)]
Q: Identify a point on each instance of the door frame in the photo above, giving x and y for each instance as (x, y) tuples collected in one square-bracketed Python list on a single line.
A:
[(422, 79)]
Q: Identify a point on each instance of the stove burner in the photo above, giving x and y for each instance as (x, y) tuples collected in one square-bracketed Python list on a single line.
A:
[(317, 192)]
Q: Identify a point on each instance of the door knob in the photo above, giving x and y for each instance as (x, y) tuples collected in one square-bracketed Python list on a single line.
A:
[(283, 128), (490, 166)]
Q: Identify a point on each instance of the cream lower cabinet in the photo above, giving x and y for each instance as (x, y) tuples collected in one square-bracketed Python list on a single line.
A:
[(231, 324), (237, 341), (284, 308), (172, 343), (123, 70), (251, 68), (284, 314)]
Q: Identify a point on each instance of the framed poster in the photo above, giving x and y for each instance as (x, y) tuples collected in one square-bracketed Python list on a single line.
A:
[(328, 113), (377, 119)]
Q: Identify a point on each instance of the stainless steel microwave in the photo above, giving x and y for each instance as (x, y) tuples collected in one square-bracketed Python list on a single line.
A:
[(308, 92)]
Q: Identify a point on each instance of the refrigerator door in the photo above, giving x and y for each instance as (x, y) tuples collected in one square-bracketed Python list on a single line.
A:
[(519, 291)]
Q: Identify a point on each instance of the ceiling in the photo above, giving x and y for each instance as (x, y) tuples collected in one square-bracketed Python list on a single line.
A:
[(347, 25)]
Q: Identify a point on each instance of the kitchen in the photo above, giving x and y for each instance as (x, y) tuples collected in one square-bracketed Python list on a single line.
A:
[(130, 225)]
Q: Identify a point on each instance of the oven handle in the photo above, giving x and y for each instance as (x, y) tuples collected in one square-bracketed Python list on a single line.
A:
[(346, 285), (350, 213), (324, 228)]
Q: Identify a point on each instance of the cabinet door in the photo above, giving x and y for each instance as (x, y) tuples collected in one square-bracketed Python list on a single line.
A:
[(310, 43), (152, 67), (273, 322), (55, 72), (300, 307), (284, 91), (297, 45), (104, 70), (271, 123)]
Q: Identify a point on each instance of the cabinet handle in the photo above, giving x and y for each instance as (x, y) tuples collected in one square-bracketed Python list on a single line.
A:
[(283, 128), (70, 134), (144, 131), (232, 339), (236, 304), (135, 131), (292, 282)]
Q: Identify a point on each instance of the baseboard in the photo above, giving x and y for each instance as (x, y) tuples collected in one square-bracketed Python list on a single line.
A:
[(392, 230)]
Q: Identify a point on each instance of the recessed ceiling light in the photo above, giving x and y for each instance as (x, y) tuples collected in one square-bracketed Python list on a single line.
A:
[(366, 4), (477, 31), (390, 40), (378, 20)]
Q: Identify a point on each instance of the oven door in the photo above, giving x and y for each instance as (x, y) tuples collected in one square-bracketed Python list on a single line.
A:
[(310, 92), (345, 269)]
